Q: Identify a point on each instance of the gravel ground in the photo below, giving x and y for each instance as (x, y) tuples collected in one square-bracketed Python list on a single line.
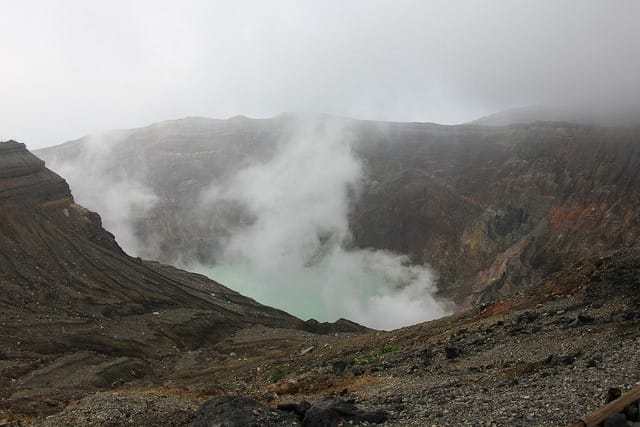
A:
[(542, 365)]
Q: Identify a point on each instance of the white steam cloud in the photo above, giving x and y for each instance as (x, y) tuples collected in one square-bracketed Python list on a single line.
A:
[(288, 244), (296, 254), (120, 199)]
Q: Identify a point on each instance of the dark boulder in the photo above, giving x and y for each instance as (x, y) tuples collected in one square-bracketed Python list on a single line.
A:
[(581, 320), (357, 370), (585, 319), (595, 360), (339, 367), (300, 409), (452, 352), (613, 393), (633, 412), (616, 420), (240, 411), (527, 317), (331, 413), (426, 356), (559, 360)]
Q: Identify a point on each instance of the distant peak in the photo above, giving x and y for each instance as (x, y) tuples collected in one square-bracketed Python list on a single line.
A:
[(558, 114), (11, 144), (239, 117)]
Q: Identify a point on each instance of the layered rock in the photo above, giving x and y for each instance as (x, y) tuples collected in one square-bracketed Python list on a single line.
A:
[(60, 249), (77, 313), (23, 176)]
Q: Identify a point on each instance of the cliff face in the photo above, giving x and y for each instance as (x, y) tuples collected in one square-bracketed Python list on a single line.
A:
[(499, 210), (23, 176), (494, 210), (74, 306), (60, 251), (175, 161)]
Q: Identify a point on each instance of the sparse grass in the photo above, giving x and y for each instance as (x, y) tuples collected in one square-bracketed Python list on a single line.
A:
[(364, 360), (390, 348), (277, 374), (375, 355)]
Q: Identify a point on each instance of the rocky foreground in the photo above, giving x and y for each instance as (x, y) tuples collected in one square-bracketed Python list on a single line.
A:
[(92, 337), (547, 362)]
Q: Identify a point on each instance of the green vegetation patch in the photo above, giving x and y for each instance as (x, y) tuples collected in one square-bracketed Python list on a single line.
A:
[(375, 355), (277, 374)]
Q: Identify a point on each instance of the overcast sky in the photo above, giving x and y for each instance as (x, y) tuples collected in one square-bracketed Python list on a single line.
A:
[(68, 68)]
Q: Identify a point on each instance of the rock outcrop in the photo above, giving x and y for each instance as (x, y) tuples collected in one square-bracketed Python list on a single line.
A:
[(23, 177)]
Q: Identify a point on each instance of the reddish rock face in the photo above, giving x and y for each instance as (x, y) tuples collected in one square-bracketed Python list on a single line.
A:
[(497, 210)]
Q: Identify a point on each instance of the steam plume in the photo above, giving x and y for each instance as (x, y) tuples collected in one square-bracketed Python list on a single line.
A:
[(120, 198), (295, 254)]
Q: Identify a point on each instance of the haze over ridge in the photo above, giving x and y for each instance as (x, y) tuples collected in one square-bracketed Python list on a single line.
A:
[(69, 69)]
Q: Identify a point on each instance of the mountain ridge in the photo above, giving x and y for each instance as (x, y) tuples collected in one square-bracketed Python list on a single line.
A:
[(502, 198), (543, 113)]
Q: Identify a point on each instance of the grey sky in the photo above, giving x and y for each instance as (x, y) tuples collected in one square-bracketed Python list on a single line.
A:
[(69, 67)]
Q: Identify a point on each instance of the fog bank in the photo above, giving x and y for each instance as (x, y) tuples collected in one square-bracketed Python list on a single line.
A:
[(75, 67)]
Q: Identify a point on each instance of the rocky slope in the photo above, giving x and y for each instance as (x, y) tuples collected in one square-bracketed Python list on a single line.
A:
[(546, 359), (92, 337), (517, 204), (495, 210), (78, 314)]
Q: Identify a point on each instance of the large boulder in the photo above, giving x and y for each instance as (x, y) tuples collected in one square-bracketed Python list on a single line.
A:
[(241, 411)]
